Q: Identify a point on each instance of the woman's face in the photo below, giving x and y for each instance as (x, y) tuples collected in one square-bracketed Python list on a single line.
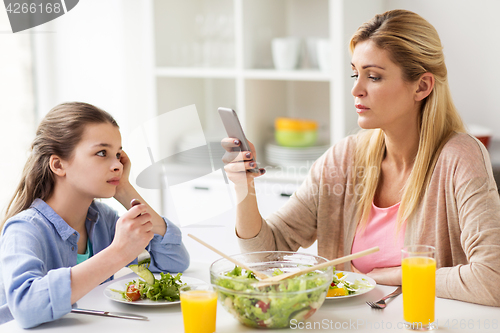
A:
[(94, 170), (381, 97)]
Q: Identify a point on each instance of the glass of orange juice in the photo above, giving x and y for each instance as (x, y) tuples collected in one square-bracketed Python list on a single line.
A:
[(419, 287), (199, 308)]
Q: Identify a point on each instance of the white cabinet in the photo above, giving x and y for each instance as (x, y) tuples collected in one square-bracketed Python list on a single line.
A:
[(214, 53), (205, 208), (207, 200)]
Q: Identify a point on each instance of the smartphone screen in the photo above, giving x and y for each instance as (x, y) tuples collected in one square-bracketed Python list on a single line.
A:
[(234, 130)]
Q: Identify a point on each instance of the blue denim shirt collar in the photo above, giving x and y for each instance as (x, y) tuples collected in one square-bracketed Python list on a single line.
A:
[(93, 214), (62, 228)]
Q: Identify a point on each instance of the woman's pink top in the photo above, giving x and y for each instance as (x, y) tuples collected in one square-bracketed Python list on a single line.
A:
[(381, 232)]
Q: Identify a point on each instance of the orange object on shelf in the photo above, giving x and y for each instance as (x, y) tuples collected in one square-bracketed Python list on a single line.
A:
[(295, 124), (294, 132)]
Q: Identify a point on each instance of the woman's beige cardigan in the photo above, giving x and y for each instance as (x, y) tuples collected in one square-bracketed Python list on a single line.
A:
[(459, 215)]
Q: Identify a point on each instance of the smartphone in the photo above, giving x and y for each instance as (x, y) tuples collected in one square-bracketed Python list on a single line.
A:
[(234, 130)]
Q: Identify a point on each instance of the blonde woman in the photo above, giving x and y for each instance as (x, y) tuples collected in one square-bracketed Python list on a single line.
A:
[(411, 176), (57, 243)]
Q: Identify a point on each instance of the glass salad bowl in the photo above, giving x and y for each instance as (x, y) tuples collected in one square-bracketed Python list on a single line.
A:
[(279, 305)]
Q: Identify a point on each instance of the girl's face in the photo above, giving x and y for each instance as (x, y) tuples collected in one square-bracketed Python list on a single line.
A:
[(381, 97), (95, 170)]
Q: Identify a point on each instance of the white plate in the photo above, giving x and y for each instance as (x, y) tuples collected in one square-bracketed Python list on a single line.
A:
[(120, 285), (296, 150), (352, 277), (293, 157)]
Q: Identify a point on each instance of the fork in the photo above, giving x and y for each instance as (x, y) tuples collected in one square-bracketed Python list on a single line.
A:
[(381, 303), (144, 258)]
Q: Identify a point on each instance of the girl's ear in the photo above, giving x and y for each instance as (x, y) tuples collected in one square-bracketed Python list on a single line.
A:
[(57, 166), (425, 86)]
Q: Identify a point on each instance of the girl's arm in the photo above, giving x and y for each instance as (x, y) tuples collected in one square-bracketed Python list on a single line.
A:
[(167, 251), (125, 192), (132, 235), (128, 193)]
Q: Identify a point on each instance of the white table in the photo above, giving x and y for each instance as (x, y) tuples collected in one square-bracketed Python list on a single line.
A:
[(350, 314)]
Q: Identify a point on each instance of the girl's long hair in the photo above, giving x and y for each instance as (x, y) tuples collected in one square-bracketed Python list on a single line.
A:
[(414, 45), (58, 134)]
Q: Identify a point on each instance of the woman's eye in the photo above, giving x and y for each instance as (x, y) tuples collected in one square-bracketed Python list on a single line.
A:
[(118, 155), (354, 76), (101, 153), (374, 78)]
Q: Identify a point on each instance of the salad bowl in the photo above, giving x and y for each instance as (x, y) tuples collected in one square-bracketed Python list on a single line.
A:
[(278, 305)]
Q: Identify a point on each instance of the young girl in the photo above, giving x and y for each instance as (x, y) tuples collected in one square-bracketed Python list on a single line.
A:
[(57, 243)]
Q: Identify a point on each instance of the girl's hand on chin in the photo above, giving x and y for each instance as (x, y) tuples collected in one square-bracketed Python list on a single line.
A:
[(133, 232), (390, 276), (124, 180)]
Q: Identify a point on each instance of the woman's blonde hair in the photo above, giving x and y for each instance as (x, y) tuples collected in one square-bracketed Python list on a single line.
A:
[(414, 45), (58, 134)]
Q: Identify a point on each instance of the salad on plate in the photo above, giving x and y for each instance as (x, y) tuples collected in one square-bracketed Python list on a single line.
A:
[(166, 287), (340, 286)]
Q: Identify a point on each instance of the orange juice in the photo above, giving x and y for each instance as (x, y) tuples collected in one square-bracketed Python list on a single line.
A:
[(199, 309), (419, 290)]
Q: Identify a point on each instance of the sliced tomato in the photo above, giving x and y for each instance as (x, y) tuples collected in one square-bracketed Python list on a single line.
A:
[(132, 293), (261, 323), (263, 306), (310, 313)]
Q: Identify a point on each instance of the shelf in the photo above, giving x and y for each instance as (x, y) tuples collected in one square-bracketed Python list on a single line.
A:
[(194, 32), (230, 73), (292, 75), (196, 72)]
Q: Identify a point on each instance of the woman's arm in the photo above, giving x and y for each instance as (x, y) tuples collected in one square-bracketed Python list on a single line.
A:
[(293, 225), (473, 231), (479, 219), (254, 233), (248, 218)]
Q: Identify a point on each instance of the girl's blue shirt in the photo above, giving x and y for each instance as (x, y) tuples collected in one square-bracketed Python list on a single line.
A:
[(37, 249)]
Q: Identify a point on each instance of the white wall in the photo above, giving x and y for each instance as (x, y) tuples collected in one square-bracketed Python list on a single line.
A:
[(469, 32), (16, 108)]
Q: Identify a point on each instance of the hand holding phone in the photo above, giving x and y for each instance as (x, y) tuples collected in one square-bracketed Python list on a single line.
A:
[(234, 130)]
